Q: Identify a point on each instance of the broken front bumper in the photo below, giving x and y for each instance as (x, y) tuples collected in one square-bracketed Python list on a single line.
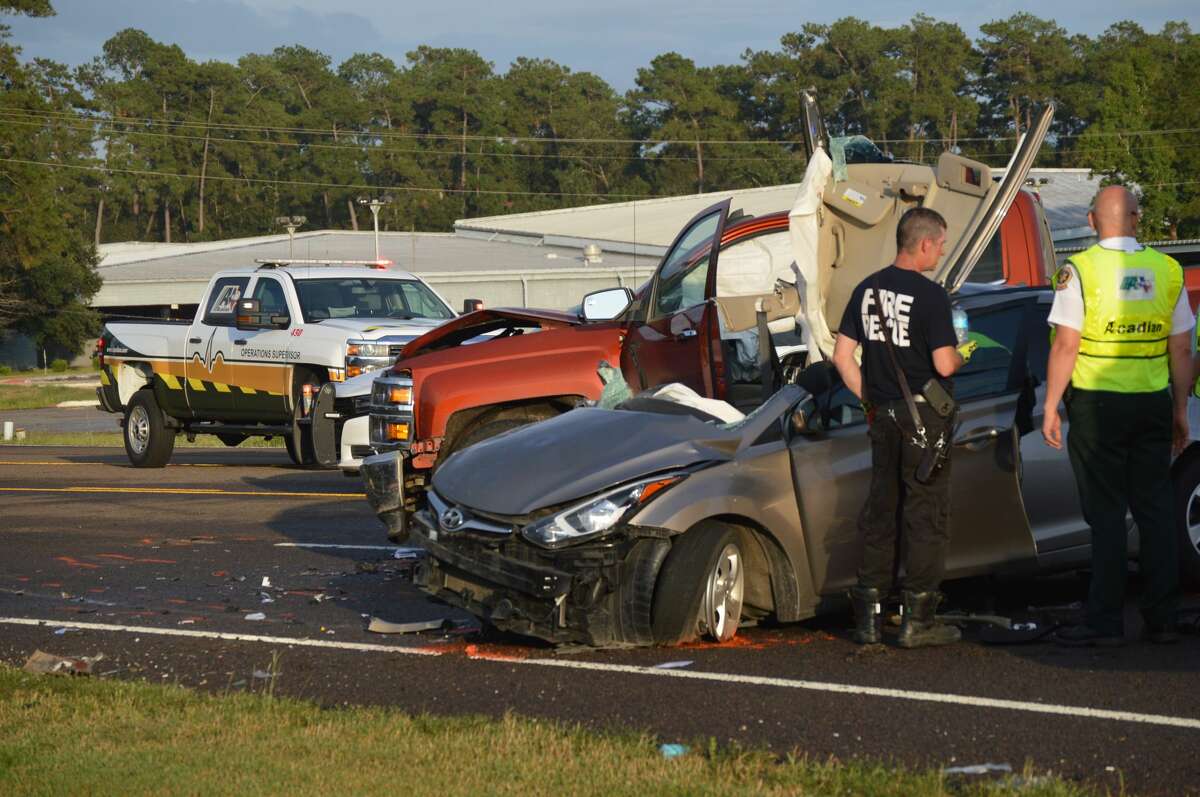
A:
[(580, 595), (383, 480)]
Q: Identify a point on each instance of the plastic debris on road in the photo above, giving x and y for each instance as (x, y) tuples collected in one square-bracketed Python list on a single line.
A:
[(379, 626), (256, 616), (43, 663), (672, 750), (978, 769), (408, 553), (672, 665), (266, 582)]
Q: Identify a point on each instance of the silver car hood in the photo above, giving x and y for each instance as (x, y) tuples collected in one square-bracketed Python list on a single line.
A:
[(587, 450)]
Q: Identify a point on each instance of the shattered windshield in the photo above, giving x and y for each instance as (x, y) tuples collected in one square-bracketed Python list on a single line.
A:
[(854, 149)]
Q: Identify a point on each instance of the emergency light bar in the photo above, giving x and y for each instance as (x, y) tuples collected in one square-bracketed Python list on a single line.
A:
[(276, 261)]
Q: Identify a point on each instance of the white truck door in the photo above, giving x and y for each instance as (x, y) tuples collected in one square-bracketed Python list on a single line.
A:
[(210, 352), (263, 357)]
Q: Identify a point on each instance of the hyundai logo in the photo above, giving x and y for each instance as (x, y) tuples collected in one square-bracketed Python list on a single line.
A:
[(452, 518)]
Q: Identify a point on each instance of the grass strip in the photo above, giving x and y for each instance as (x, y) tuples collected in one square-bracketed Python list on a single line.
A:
[(114, 440), (83, 736), (36, 397)]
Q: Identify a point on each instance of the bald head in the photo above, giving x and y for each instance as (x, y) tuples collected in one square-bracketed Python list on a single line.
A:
[(1114, 212)]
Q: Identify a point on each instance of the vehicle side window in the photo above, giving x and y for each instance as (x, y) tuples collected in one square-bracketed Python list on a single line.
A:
[(998, 333), (222, 302), (420, 302), (684, 273), (990, 267), (270, 295)]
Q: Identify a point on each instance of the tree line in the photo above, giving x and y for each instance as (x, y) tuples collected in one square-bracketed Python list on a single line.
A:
[(144, 143)]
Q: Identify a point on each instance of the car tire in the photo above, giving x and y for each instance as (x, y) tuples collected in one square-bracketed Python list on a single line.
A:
[(299, 442), (148, 440), (634, 607), (701, 587), (494, 423), (1187, 514)]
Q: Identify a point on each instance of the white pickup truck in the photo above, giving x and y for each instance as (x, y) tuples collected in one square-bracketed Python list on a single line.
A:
[(262, 345)]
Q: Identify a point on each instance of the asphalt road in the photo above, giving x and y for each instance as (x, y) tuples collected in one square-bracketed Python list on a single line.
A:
[(148, 567)]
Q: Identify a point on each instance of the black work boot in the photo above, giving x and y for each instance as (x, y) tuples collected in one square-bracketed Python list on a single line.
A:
[(866, 615), (920, 628)]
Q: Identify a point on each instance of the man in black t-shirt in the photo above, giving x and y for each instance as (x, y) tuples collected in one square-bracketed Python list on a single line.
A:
[(899, 302)]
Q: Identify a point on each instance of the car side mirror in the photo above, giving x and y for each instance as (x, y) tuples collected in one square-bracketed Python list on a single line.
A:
[(471, 305), (606, 304), (250, 316)]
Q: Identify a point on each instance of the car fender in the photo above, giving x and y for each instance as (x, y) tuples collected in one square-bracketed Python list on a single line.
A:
[(754, 492)]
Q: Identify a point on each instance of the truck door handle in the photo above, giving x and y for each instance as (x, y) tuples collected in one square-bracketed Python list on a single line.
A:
[(193, 340), (240, 342), (686, 334), (979, 435)]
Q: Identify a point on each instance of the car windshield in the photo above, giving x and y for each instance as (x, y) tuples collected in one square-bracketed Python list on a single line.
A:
[(366, 297)]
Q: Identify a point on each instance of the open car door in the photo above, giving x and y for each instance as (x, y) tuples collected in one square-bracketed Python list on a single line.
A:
[(671, 331)]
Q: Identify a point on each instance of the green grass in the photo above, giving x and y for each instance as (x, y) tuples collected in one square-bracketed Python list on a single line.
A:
[(114, 440), (34, 397), (81, 736)]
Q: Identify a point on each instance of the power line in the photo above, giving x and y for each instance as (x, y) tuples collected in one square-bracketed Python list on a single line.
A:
[(320, 183), (388, 150)]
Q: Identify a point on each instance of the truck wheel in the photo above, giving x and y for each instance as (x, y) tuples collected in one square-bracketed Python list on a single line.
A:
[(701, 586), (494, 423), (1187, 521), (148, 441)]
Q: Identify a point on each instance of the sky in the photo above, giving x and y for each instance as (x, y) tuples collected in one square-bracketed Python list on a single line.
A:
[(612, 39)]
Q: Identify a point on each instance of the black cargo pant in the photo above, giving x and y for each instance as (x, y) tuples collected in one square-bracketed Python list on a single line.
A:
[(900, 507), (1120, 448)]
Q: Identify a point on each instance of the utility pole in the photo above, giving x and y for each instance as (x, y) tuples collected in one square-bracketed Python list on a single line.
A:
[(375, 203), (291, 224)]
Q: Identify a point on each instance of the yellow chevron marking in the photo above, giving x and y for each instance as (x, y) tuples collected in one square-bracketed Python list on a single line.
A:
[(171, 381), (196, 384), (104, 378), (249, 391), (220, 387)]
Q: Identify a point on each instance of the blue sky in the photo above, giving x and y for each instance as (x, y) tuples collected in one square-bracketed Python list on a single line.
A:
[(610, 38)]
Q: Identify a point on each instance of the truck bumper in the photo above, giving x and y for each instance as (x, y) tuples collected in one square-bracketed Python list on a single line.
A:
[(383, 480)]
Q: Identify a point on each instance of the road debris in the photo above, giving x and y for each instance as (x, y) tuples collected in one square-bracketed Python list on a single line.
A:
[(672, 750), (380, 626), (978, 769), (43, 663), (266, 582), (408, 553), (672, 665), (256, 616)]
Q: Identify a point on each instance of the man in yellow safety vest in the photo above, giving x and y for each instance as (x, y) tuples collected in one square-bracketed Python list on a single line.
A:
[(1121, 359)]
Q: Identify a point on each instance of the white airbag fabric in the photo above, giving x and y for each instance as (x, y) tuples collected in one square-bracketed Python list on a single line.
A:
[(682, 394)]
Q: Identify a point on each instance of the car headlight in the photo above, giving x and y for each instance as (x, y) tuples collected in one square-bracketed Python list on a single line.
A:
[(366, 349), (596, 515)]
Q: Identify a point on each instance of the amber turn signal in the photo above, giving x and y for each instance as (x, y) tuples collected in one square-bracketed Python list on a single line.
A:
[(353, 371), (397, 431), (399, 395)]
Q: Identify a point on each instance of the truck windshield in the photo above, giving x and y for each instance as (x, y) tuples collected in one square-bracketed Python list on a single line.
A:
[(364, 297)]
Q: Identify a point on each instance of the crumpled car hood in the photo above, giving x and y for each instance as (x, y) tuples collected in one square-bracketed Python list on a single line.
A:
[(574, 455), (483, 319)]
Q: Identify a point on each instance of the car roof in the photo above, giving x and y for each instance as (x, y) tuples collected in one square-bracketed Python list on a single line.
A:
[(325, 272)]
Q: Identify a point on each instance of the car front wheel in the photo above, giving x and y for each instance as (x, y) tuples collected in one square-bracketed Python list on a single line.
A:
[(1187, 513), (701, 587)]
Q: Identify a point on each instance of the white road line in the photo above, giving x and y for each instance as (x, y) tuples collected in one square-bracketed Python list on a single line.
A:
[(1079, 712), (333, 545), (185, 632)]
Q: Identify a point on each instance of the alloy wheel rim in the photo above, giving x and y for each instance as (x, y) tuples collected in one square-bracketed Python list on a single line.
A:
[(137, 429), (723, 595), (1192, 517)]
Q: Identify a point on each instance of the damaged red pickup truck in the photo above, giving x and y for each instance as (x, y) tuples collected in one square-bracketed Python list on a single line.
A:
[(442, 396)]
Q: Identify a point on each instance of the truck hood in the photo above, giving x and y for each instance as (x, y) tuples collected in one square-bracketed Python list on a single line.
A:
[(471, 325), (378, 328), (587, 450)]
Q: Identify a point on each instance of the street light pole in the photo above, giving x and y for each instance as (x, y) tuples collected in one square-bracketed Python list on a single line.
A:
[(375, 203), (291, 224)]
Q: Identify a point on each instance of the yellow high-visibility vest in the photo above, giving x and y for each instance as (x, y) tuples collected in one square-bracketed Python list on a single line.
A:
[(1128, 301)]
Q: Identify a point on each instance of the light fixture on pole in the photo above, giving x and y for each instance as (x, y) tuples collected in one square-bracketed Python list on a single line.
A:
[(291, 224), (375, 203)]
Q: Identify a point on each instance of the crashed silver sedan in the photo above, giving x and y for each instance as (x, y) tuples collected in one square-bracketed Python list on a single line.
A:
[(671, 516)]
